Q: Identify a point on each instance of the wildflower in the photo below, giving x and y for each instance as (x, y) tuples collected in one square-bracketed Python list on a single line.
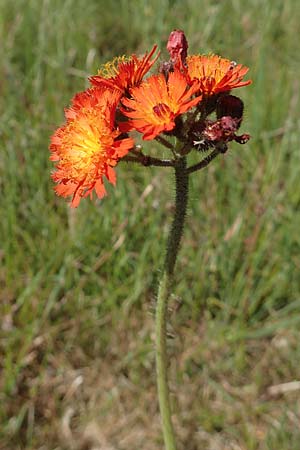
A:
[(216, 74), (157, 102), (88, 146), (123, 73)]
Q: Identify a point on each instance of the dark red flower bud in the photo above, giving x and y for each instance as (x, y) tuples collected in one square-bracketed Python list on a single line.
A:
[(177, 47), (213, 131), (230, 106), (222, 130)]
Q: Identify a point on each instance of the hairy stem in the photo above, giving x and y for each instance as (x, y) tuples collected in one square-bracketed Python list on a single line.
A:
[(173, 244), (148, 161), (204, 162), (164, 142)]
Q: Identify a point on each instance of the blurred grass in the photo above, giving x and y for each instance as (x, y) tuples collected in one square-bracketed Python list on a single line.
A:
[(78, 287)]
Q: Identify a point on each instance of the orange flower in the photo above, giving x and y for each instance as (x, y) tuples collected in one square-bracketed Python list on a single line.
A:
[(123, 73), (156, 103), (216, 74), (87, 147)]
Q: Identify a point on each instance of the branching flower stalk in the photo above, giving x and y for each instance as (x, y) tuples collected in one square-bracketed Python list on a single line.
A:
[(174, 107), (173, 243)]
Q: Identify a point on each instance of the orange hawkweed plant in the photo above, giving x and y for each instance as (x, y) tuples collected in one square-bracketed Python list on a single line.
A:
[(187, 107)]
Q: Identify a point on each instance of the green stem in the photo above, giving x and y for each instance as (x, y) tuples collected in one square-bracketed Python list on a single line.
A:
[(204, 162), (146, 160), (173, 244)]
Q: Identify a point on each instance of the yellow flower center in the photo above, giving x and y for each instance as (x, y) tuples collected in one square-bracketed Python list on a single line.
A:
[(111, 68)]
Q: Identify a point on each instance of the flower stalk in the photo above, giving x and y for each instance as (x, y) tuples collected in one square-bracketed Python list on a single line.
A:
[(204, 162), (173, 245)]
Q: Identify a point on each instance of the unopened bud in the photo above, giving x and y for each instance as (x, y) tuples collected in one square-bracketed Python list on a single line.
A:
[(177, 47), (230, 106), (221, 130)]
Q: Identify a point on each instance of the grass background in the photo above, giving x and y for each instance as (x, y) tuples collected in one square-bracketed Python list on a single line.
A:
[(78, 287)]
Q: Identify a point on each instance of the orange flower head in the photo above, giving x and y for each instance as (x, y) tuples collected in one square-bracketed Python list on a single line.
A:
[(216, 74), (87, 147), (123, 73), (155, 104)]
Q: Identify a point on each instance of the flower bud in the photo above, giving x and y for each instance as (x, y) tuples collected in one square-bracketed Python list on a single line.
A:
[(230, 105), (177, 47), (221, 130)]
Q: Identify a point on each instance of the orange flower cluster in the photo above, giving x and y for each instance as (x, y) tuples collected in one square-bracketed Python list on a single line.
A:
[(216, 74), (124, 73), (120, 100), (154, 105), (88, 146)]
